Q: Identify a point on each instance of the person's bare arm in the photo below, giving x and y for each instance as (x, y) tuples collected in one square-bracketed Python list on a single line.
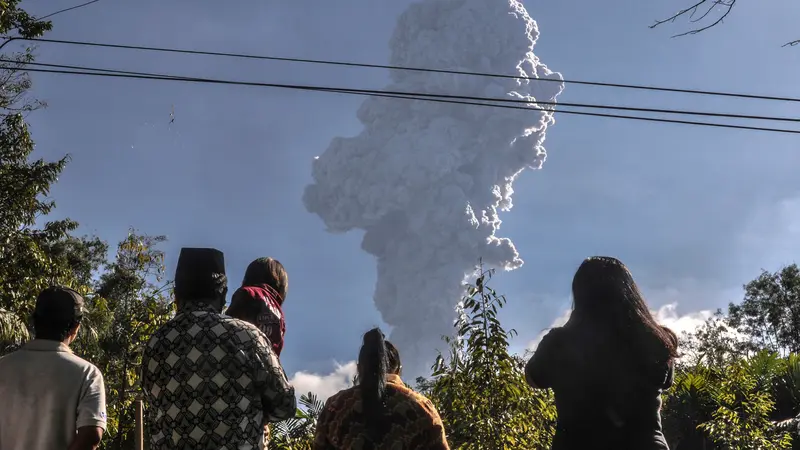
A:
[(91, 420), (87, 438)]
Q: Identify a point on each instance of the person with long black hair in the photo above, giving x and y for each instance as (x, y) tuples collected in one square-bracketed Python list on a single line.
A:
[(379, 412), (608, 365)]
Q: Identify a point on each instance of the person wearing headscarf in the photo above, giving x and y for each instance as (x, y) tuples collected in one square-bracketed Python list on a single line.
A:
[(608, 365), (260, 299), (211, 381), (260, 302), (379, 412)]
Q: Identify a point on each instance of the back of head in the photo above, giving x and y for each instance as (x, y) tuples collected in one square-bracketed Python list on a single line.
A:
[(58, 312), (607, 299), (393, 363), (373, 367), (270, 272), (200, 278)]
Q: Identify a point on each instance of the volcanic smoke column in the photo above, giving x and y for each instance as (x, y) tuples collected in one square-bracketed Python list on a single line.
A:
[(425, 180)]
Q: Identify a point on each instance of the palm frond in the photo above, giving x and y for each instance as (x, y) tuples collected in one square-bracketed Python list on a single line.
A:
[(12, 329), (313, 404)]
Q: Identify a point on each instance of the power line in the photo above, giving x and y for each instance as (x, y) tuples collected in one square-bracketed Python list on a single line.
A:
[(397, 95), (412, 69), (66, 9), (460, 97)]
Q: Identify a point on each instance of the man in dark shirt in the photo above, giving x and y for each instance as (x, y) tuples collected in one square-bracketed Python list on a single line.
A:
[(211, 380)]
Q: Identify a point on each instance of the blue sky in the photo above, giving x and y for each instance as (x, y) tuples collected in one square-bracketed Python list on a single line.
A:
[(695, 212)]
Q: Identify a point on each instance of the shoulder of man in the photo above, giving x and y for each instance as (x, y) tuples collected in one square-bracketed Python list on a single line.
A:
[(88, 370), (93, 373), (162, 332), (244, 331), (88, 367)]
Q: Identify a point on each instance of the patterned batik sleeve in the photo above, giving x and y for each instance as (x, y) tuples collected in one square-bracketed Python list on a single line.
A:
[(146, 372), (147, 380), (437, 436), (277, 394)]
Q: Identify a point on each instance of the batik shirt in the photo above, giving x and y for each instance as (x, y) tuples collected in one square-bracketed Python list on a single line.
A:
[(211, 382), (414, 423)]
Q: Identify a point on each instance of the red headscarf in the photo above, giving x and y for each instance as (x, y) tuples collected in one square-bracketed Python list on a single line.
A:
[(266, 304)]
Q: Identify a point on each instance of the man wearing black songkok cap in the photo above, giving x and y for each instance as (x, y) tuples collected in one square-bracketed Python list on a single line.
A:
[(50, 397), (211, 380)]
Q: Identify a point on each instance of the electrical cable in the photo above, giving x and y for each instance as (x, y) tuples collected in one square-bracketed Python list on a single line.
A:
[(459, 97), (389, 94), (412, 69)]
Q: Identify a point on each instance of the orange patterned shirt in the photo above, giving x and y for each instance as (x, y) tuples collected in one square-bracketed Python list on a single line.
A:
[(414, 422)]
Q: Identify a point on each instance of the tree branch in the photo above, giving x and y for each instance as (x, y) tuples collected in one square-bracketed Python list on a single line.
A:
[(673, 18), (691, 11), (708, 6)]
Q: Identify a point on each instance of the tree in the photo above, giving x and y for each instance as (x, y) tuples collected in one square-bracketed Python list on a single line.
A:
[(743, 407), (770, 312), (28, 266), (707, 14), (131, 301), (716, 343), (733, 389), (514, 415), (689, 404)]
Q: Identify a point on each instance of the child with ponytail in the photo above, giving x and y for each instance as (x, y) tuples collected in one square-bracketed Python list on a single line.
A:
[(379, 412)]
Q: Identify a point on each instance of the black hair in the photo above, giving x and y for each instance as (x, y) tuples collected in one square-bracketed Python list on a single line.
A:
[(393, 363), (192, 290), (606, 296), (54, 328), (58, 311), (268, 271), (373, 365), (200, 278)]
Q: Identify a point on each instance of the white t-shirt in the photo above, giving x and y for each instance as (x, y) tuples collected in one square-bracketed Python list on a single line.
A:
[(46, 394)]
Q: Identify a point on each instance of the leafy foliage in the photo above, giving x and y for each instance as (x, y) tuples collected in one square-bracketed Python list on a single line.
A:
[(728, 394), (743, 406), (298, 433), (738, 387), (480, 389), (770, 311), (131, 301)]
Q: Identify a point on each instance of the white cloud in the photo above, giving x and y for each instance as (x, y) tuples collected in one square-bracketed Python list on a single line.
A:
[(324, 386), (668, 316)]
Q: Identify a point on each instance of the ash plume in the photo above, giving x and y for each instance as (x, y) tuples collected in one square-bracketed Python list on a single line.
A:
[(426, 180)]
